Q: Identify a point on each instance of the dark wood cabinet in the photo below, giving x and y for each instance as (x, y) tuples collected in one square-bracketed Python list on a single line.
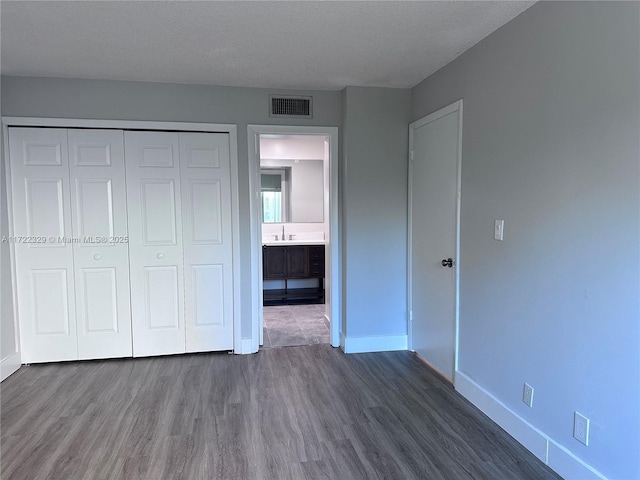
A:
[(274, 263), (297, 262), (293, 262)]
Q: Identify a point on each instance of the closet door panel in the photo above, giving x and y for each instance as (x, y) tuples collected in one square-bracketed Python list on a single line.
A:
[(162, 298), (44, 259), (45, 207), (97, 290), (94, 207), (158, 212), (155, 235), (207, 237), (101, 257), (50, 307)]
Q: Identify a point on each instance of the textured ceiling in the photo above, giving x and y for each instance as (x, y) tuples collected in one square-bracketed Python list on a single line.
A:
[(306, 45)]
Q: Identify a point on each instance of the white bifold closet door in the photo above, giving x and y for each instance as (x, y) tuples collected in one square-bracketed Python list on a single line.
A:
[(155, 242), (69, 203), (123, 242), (207, 239), (101, 254), (179, 206), (44, 262)]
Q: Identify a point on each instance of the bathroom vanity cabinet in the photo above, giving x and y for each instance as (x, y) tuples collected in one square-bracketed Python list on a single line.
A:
[(293, 262)]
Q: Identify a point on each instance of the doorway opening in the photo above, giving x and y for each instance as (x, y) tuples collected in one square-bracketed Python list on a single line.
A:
[(294, 232)]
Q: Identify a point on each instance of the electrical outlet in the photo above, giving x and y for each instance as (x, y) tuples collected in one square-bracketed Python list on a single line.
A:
[(498, 230), (581, 428), (527, 395)]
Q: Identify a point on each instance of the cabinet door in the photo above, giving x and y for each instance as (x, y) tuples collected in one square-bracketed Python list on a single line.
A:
[(100, 251), (207, 241), (274, 263), (297, 262), (155, 242), (44, 261)]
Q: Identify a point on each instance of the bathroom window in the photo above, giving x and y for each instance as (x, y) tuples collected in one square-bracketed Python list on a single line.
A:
[(274, 192)]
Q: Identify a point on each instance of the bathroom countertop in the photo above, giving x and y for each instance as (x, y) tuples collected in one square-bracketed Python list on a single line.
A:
[(275, 243)]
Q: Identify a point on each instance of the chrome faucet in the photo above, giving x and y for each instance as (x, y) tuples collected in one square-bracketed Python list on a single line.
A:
[(282, 232)]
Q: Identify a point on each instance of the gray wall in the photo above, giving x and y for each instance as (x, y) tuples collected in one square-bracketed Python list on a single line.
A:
[(550, 145), (374, 211), (7, 328), (98, 99)]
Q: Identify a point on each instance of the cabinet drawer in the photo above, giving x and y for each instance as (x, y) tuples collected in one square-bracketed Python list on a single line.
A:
[(316, 269), (316, 261)]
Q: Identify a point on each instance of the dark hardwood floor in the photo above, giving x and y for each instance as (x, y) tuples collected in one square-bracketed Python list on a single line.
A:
[(307, 412)]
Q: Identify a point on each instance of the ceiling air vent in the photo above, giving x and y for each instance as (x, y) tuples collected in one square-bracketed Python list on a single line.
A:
[(281, 106)]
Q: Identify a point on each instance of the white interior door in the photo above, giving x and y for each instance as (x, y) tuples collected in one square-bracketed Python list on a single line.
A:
[(101, 259), (435, 143), (44, 261), (155, 242), (207, 240)]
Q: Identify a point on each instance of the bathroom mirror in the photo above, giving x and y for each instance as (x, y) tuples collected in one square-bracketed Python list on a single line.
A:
[(292, 191), (274, 193)]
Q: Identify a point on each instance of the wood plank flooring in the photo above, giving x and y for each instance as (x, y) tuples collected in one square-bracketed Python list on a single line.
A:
[(307, 412)]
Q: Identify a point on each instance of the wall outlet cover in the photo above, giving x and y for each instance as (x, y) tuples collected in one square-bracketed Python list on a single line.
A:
[(527, 395), (581, 428), (498, 230)]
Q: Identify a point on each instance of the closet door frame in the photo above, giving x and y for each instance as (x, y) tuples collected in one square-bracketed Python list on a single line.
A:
[(240, 345)]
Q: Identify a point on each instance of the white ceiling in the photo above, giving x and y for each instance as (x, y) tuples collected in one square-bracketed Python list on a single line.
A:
[(301, 44)]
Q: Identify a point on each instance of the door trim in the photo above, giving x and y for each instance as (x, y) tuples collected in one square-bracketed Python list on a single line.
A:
[(230, 129), (11, 362), (334, 269), (454, 107)]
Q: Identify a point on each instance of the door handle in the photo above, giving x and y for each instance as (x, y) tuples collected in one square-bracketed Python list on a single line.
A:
[(447, 262), (97, 256), (160, 256)]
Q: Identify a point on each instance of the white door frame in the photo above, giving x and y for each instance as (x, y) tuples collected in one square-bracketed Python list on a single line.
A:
[(333, 268), (232, 130), (454, 107)]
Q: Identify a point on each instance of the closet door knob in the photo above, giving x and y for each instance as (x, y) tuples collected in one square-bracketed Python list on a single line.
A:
[(160, 256), (97, 256)]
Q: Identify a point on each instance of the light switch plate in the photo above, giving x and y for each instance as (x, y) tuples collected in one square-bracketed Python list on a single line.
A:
[(498, 230)]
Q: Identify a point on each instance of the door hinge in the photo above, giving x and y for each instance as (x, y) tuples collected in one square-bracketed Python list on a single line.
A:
[(411, 156), (411, 315)]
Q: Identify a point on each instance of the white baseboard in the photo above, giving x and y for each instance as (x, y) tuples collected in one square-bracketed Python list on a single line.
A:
[(568, 465), (378, 343), (557, 457), (9, 365)]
